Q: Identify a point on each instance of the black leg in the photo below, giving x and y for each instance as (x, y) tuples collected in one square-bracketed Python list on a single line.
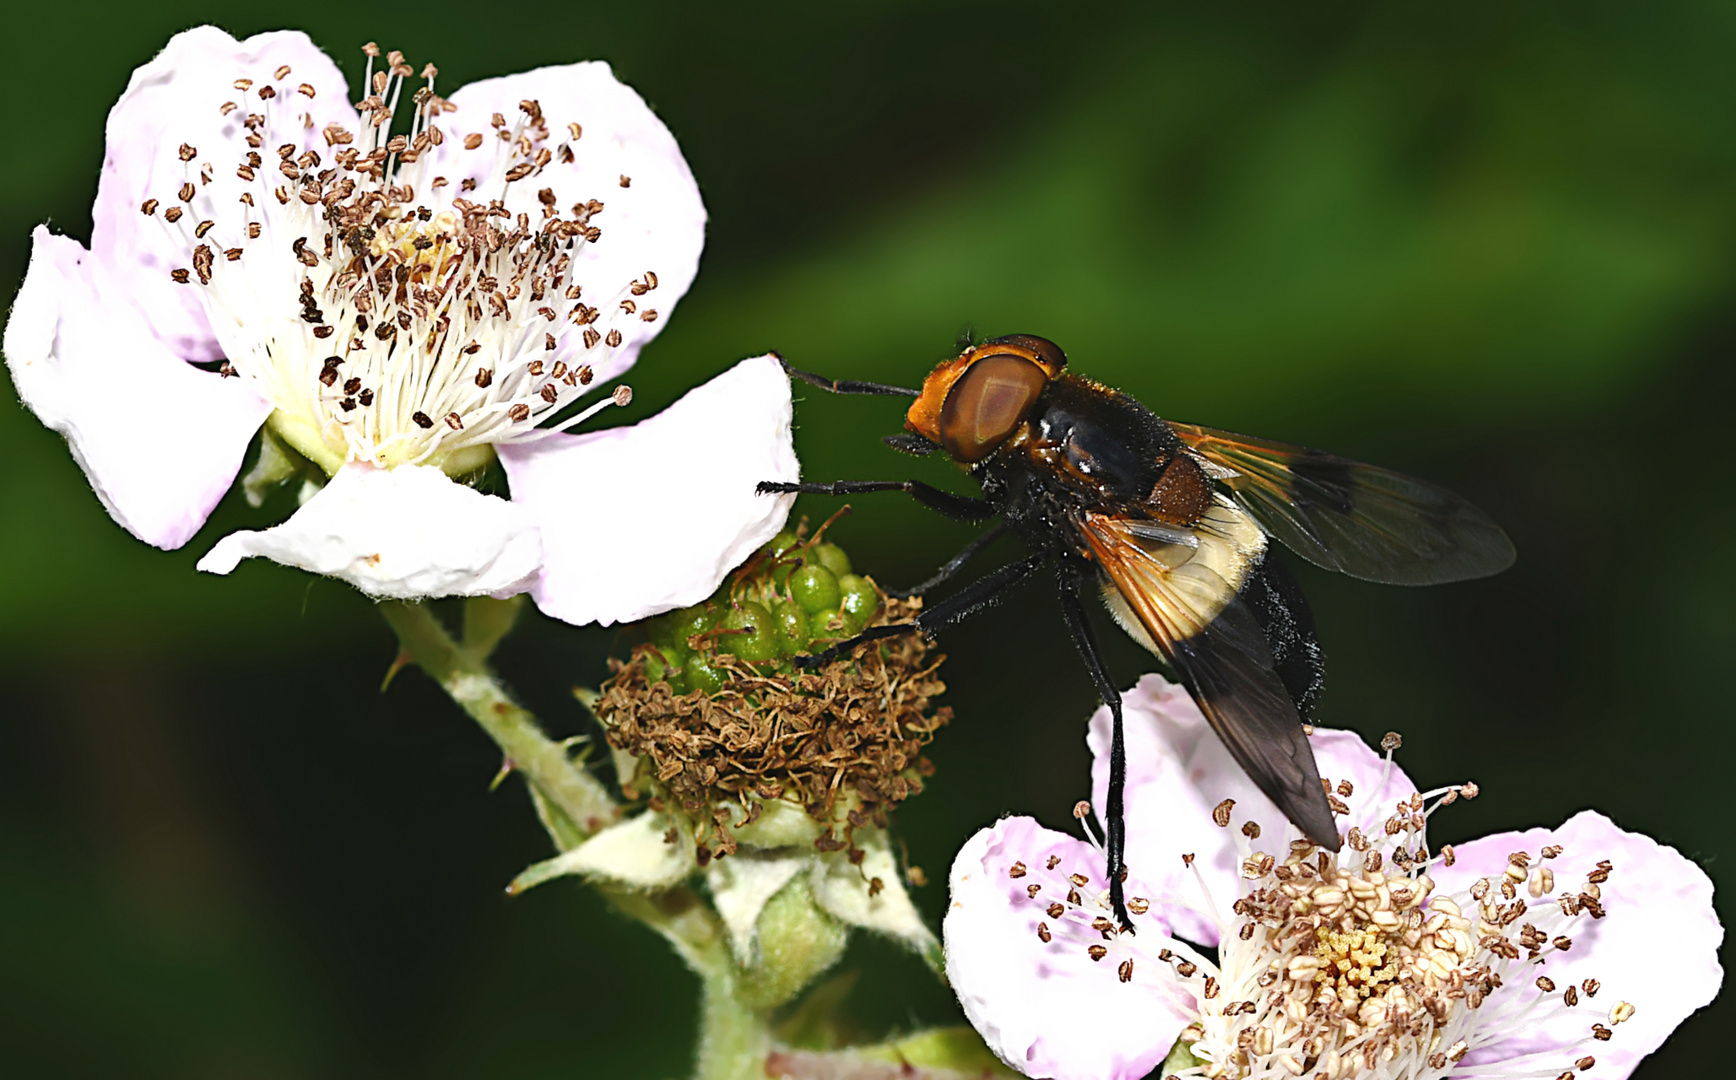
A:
[(953, 564), (846, 386), (969, 600), (953, 506), (1114, 820)]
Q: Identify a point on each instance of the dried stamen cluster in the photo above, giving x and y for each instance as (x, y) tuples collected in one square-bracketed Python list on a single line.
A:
[(1351, 964), (395, 315), (842, 742)]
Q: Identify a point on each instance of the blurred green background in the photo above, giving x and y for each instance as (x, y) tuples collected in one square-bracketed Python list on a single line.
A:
[(1484, 242)]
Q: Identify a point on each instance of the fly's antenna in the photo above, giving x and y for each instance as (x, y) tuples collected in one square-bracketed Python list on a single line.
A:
[(967, 337), (846, 386)]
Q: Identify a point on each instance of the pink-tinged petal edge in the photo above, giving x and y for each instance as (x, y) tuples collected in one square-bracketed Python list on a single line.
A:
[(402, 534), (159, 440), (655, 222), (1178, 771), (1043, 1008), (1657, 946), (176, 99), (641, 519)]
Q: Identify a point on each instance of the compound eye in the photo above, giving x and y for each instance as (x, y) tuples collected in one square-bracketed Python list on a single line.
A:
[(987, 403), (1045, 350)]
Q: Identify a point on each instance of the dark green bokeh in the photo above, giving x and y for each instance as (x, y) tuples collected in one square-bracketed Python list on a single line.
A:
[(1487, 243)]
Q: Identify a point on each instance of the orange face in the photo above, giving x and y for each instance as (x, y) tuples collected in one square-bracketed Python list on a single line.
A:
[(971, 404)]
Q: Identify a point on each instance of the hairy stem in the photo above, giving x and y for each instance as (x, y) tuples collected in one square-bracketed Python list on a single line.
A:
[(466, 678), (734, 1039)]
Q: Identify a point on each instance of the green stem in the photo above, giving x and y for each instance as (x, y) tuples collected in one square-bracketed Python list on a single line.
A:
[(467, 679), (734, 1039)]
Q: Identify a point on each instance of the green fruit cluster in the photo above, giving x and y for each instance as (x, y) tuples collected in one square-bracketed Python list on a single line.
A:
[(790, 597)]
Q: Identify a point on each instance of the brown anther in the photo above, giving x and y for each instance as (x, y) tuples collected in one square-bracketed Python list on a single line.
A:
[(1097, 952), (1546, 984), (1079, 880), (1125, 971), (186, 193), (1585, 1063), (1601, 1033), (613, 339), (648, 315), (281, 73), (484, 377), (1391, 741), (1043, 934), (1056, 910), (422, 419), (549, 393), (305, 90), (242, 84), (1186, 969), (1017, 870), (1138, 905), (181, 277), (202, 228), (518, 412), (366, 397), (1570, 997), (1032, 890), (1221, 813), (1211, 990), (626, 181), (234, 255), (454, 421), (148, 207), (1346, 788), (266, 93), (1563, 943)]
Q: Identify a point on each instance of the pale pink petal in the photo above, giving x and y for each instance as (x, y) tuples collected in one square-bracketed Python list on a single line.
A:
[(1045, 1007), (403, 534), (177, 99), (1178, 771), (1656, 947), (159, 440), (642, 519), (653, 218)]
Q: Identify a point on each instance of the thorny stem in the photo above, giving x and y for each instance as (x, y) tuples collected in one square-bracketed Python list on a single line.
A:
[(734, 1039), (466, 678)]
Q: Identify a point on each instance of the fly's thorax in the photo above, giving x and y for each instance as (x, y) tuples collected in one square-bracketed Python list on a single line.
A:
[(391, 313)]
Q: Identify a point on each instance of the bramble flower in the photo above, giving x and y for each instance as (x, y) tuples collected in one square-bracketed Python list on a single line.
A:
[(1547, 953), (397, 304)]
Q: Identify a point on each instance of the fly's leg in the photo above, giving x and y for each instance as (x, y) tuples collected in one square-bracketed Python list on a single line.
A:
[(969, 600), (961, 507), (953, 564), (1114, 818), (846, 386)]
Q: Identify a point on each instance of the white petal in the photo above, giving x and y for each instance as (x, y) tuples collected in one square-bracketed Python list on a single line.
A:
[(1045, 1007), (657, 223), (842, 888), (1178, 771), (631, 853), (159, 440), (402, 534), (177, 99), (740, 886), (1656, 947), (642, 519)]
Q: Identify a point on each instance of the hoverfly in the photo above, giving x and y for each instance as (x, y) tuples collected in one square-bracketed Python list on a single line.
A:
[(1174, 523)]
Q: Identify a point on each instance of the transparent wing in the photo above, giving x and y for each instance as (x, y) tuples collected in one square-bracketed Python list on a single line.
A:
[(1357, 519)]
